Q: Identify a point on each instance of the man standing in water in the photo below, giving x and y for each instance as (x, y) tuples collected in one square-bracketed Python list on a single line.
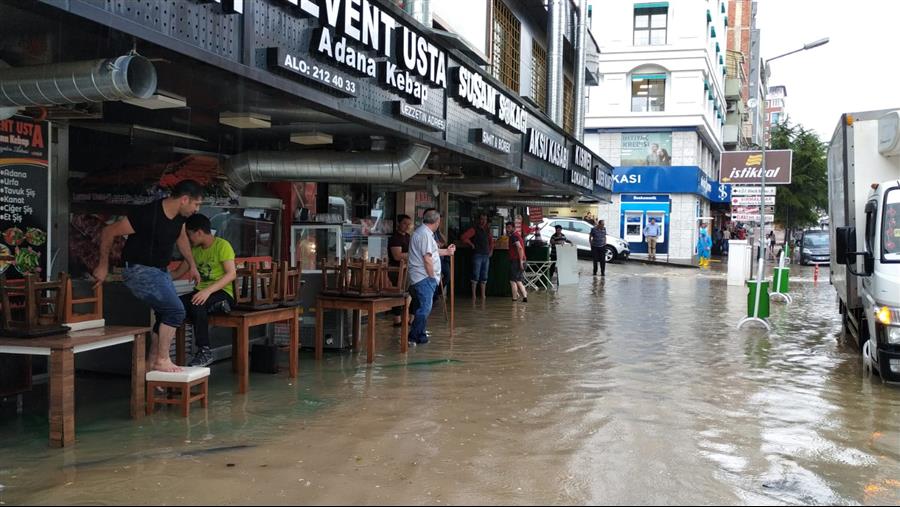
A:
[(153, 230)]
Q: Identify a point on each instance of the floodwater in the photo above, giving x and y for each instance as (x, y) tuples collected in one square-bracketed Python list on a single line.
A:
[(632, 389)]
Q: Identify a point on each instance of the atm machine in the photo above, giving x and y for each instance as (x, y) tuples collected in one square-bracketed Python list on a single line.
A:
[(636, 212)]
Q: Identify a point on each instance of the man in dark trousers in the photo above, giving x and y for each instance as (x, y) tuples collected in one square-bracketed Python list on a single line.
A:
[(398, 246), (215, 293), (598, 247), (517, 262), (153, 231), (481, 241)]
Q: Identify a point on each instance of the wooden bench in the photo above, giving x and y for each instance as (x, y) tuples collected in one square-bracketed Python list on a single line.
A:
[(61, 350), (241, 321)]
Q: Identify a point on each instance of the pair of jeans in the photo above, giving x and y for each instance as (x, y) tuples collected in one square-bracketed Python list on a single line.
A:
[(599, 254), (198, 315), (481, 264), (423, 297), (154, 287)]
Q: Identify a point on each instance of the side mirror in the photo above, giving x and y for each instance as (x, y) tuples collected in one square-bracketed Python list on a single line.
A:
[(845, 243)]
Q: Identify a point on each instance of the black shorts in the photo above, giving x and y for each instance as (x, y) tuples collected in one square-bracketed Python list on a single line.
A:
[(516, 273)]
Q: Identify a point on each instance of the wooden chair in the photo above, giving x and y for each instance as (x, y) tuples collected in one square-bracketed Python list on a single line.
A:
[(393, 280), (75, 318), (363, 278), (289, 281), (333, 280), (33, 308), (254, 287)]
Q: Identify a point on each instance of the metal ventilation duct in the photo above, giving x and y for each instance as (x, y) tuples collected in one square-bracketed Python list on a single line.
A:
[(548, 202), (125, 77), (326, 166), (580, 48), (481, 185), (556, 25), (421, 12)]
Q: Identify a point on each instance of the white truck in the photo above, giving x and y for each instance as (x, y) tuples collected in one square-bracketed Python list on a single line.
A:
[(864, 207)]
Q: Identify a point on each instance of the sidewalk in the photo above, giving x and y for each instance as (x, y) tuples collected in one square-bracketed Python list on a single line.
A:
[(660, 261)]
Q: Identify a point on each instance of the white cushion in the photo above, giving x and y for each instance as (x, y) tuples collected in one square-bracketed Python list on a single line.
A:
[(186, 375)]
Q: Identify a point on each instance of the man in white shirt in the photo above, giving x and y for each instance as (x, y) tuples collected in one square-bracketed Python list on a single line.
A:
[(424, 273)]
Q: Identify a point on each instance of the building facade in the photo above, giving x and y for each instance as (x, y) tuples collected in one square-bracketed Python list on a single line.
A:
[(776, 108), (658, 115), (742, 83)]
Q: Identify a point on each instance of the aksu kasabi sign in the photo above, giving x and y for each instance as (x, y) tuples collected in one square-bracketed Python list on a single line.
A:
[(745, 167)]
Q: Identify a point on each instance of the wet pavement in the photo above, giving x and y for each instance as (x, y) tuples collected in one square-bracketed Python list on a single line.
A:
[(632, 389)]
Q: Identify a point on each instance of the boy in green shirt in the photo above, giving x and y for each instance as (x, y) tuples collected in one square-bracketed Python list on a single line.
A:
[(215, 262)]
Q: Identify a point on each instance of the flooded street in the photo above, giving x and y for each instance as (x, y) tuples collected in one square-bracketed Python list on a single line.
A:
[(636, 388)]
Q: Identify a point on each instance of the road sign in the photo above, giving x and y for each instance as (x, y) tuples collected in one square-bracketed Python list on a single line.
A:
[(751, 190), (753, 210), (751, 200), (751, 217)]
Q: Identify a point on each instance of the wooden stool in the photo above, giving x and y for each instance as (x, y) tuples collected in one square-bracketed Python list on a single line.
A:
[(184, 381)]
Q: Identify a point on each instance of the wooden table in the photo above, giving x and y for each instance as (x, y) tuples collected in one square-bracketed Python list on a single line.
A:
[(61, 350), (371, 306), (241, 321)]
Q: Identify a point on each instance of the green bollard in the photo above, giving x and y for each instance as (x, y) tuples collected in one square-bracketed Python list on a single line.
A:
[(763, 300), (781, 277)]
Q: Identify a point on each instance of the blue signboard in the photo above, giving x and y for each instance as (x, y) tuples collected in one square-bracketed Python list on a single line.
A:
[(720, 193), (661, 179)]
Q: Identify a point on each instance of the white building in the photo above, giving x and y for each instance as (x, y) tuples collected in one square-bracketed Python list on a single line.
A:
[(657, 115)]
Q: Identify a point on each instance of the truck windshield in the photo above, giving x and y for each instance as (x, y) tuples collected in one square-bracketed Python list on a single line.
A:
[(818, 240), (890, 236)]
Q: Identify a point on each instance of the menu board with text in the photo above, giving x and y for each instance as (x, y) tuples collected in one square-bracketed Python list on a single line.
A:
[(24, 197)]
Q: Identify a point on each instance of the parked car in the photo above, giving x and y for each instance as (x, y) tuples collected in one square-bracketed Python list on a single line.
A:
[(815, 247), (578, 232)]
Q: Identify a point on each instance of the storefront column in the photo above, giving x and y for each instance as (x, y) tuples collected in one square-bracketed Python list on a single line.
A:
[(444, 209), (59, 190)]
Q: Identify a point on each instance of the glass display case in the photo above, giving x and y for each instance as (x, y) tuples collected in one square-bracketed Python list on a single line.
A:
[(313, 242)]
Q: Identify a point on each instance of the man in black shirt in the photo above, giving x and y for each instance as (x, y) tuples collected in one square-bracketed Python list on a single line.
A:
[(398, 246), (153, 230), (481, 241), (558, 238)]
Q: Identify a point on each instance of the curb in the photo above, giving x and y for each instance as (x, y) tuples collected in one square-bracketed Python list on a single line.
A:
[(662, 263)]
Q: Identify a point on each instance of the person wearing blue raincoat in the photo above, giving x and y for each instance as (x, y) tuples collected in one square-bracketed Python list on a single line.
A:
[(704, 247)]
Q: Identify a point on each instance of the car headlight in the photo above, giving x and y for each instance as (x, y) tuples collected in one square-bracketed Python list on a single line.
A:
[(893, 335), (807, 251)]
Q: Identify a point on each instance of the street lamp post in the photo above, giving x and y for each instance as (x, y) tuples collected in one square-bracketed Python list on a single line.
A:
[(761, 260)]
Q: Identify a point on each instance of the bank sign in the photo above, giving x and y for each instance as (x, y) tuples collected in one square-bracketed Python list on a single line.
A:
[(661, 180)]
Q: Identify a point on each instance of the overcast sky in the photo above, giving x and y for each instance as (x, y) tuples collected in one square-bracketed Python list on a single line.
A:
[(859, 70)]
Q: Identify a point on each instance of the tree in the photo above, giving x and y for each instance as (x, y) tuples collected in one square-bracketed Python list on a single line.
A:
[(797, 204)]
